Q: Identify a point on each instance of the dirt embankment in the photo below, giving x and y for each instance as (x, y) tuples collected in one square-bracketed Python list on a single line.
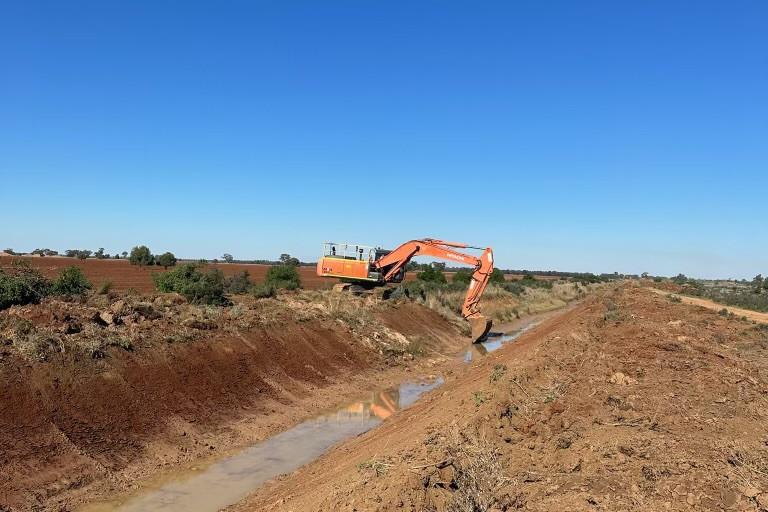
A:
[(627, 402), (82, 416)]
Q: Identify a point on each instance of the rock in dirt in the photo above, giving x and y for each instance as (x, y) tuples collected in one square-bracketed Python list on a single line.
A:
[(621, 379)]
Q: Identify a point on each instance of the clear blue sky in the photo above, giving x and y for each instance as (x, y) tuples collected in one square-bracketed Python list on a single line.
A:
[(588, 136)]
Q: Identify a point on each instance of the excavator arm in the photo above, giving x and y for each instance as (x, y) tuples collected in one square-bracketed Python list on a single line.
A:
[(397, 259)]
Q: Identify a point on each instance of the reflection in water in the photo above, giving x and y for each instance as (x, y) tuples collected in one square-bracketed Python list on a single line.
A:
[(492, 343), (229, 480)]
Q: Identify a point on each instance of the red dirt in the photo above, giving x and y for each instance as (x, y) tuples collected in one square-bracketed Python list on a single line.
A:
[(74, 428), (627, 402), (124, 275)]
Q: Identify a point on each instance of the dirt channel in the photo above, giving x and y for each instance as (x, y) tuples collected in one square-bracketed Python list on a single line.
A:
[(627, 402), (81, 421)]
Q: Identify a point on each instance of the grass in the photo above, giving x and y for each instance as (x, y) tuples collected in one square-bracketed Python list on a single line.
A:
[(674, 298), (379, 467), (479, 398), (478, 473), (498, 372)]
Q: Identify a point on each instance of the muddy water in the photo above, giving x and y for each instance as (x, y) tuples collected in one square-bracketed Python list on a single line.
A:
[(495, 342), (222, 483)]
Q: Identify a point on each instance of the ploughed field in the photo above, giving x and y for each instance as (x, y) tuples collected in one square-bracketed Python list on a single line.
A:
[(125, 276)]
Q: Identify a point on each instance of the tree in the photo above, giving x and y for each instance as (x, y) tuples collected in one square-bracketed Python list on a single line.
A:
[(125, 254), (412, 266), (227, 258), (287, 259), (141, 256), (497, 276), (83, 254), (431, 274), (758, 282), (680, 279), (99, 255), (166, 260), (283, 276), (645, 275)]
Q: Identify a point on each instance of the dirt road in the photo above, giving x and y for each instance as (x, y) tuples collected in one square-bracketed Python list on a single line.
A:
[(627, 402), (697, 301)]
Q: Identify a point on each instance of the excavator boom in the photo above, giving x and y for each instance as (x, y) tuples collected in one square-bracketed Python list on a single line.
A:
[(396, 260)]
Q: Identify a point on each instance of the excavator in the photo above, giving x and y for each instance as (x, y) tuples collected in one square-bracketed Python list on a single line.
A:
[(366, 267)]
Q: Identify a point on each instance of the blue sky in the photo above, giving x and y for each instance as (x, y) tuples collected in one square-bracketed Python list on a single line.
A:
[(587, 136)]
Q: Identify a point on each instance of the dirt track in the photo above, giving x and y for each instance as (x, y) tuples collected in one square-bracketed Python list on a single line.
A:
[(696, 301), (628, 402)]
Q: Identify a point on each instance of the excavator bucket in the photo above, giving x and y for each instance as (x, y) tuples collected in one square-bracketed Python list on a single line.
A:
[(480, 326)]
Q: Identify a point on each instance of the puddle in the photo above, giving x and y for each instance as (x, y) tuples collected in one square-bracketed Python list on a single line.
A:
[(235, 477), (494, 342)]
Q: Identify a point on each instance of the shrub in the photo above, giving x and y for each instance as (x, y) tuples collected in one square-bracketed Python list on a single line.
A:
[(70, 282), (262, 291), (431, 274), (196, 286), (14, 291), (497, 276), (141, 256), (238, 283), (166, 260), (105, 287), (283, 276), (462, 277)]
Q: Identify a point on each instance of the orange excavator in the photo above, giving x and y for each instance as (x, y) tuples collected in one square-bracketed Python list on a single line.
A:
[(367, 267)]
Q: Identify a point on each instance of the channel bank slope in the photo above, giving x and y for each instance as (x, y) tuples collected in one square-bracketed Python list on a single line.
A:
[(86, 410), (627, 402)]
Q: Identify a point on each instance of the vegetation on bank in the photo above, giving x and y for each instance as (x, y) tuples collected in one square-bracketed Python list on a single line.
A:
[(751, 295), (23, 284)]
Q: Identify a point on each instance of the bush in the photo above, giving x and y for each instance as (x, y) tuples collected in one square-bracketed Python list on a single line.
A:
[(497, 276), (70, 282), (196, 286), (166, 260), (262, 291), (283, 276), (14, 291), (431, 274), (462, 277), (238, 283), (141, 256)]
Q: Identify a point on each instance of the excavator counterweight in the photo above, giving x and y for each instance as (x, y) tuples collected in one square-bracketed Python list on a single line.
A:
[(369, 266)]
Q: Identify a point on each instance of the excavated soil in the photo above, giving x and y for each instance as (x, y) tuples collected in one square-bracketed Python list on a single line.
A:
[(78, 425), (626, 402)]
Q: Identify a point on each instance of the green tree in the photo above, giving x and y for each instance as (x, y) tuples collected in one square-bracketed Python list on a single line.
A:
[(166, 260), (497, 276), (758, 282), (125, 254), (141, 256), (462, 276), (99, 255), (70, 282), (283, 276), (287, 259), (431, 274), (227, 258)]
